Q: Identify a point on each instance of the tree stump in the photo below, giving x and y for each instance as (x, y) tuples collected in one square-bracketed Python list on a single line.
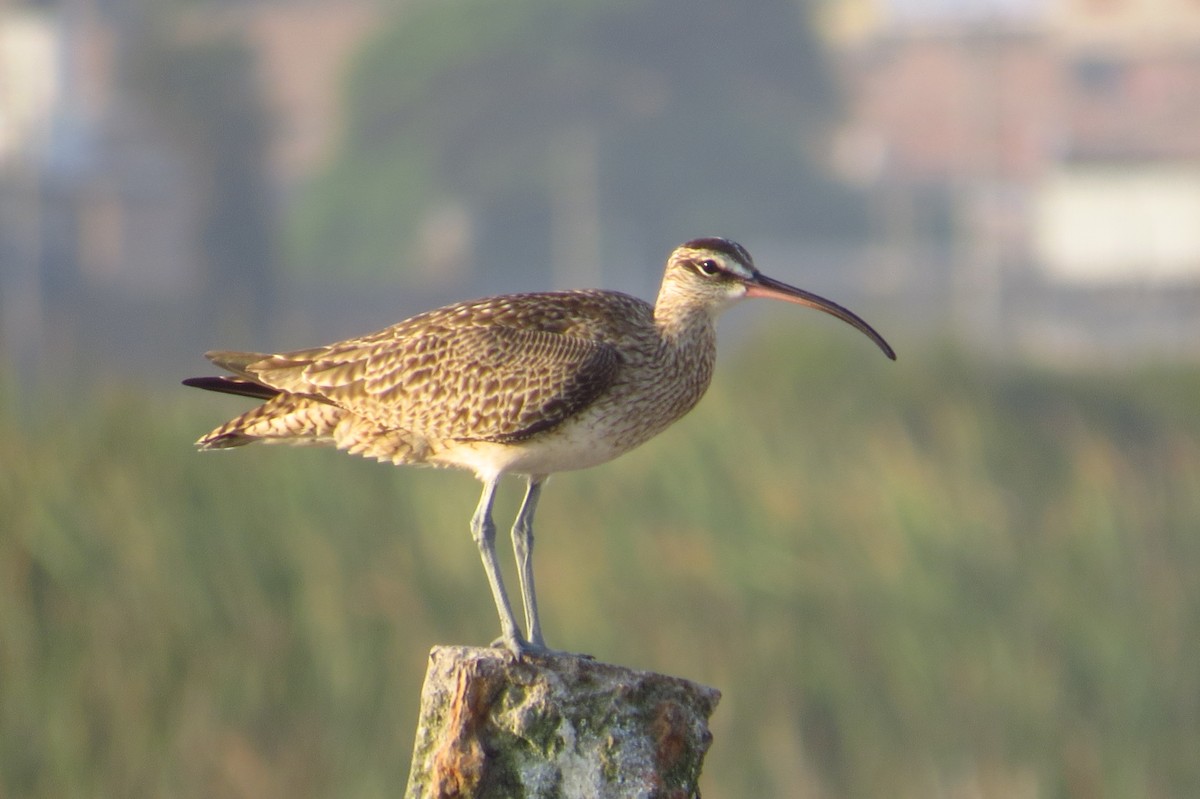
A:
[(559, 726)]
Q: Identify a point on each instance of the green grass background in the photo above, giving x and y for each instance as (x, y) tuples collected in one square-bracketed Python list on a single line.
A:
[(939, 577)]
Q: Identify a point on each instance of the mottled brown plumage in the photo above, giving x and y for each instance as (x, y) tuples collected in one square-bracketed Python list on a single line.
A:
[(519, 384), (503, 370)]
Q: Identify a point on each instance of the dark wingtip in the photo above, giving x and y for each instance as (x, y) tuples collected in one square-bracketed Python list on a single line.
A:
[(232, 385)]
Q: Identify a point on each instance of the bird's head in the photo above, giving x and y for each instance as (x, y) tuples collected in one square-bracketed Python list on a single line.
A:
[(711, 274)]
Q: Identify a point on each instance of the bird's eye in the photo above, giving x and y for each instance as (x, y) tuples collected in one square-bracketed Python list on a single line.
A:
[(708, 267)]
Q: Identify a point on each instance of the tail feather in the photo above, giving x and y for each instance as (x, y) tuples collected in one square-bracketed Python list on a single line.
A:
[(236, 362), (283, 372), (285, 418)]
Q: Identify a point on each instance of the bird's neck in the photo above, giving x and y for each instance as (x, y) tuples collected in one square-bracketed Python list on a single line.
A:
[(688, 348), (682, 322), (686, 355)]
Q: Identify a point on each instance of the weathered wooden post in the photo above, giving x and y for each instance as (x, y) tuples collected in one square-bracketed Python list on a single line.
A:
[(561, 727)]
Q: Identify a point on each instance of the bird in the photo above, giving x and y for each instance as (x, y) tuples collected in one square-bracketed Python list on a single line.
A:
[(520, 384)]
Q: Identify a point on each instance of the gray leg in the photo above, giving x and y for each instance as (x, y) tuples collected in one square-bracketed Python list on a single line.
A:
[(522, 538), (483, 530)]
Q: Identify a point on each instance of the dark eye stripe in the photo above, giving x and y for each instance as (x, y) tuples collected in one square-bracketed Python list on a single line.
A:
[(724, 246)]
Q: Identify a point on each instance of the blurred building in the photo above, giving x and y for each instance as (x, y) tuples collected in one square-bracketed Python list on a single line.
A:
[(100, 204), (301, 48), (92, 193), (1035, 166)]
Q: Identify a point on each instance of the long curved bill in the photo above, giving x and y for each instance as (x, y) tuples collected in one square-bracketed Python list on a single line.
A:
[(762, 286)]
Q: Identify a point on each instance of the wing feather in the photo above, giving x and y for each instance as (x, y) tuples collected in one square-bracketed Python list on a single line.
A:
[(455, 374)]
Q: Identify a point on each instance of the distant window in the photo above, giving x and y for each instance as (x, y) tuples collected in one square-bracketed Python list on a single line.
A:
[(1098, 75)]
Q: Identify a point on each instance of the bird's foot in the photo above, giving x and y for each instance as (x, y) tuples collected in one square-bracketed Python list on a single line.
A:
[(521, 648)]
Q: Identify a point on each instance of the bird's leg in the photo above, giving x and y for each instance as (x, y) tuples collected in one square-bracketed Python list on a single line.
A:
[(522, 538), (483, 530)]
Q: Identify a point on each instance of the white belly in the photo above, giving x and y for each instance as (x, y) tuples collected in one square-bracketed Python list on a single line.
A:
[(574, 446)]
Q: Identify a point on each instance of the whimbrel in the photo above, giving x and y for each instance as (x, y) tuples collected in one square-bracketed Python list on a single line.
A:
[(526, 384)]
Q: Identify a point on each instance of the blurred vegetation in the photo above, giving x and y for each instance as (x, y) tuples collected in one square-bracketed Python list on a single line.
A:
[(702, 116), (937, 577)]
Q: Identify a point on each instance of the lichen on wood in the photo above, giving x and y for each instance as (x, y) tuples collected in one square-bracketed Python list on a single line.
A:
[(555, 727)]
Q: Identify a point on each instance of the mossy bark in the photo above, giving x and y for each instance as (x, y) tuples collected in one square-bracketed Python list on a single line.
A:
[(555, 727)]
